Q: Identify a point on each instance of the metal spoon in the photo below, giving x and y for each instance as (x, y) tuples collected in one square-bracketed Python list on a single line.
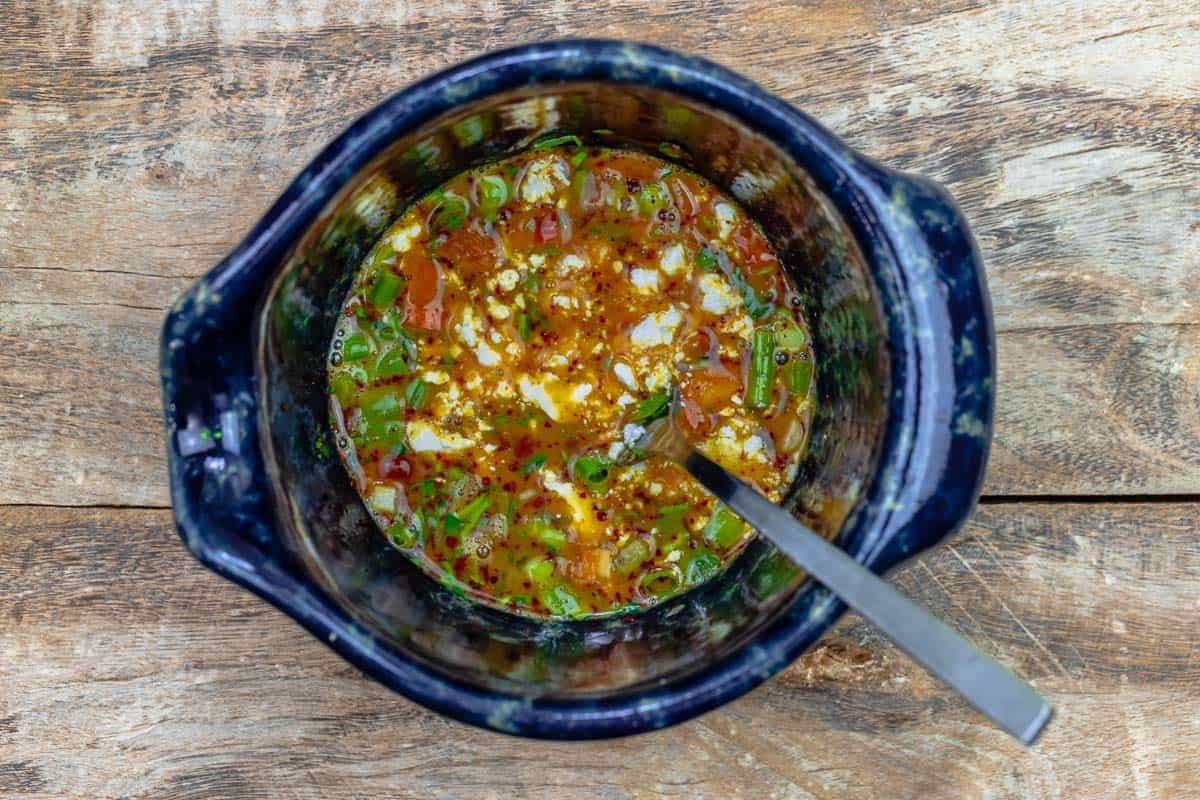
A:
[(997, 693)]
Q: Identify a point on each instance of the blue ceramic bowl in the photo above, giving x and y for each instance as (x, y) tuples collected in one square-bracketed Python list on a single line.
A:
[(894, 290)]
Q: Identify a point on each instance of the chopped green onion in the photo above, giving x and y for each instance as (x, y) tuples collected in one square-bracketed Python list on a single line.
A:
[(592, 470), (670, 150), (493, 193), (382, 415), (702, 566), (428, 488), (471, 130), (799, 376), (560, 601), (355, 347), (539, 570), (652, 197), (631, 557), (415, 394), (706, 258), (452, 213), (465, 520), (661, 582), (547, 534), (651, 408), (670, 520), (407, 534), (384, 289), (762, 369), (523, 328), (534, 463), (384, 255), (724, 528), (393, 362), (555, 141), (579, 158), (344, 388), (788, 335)]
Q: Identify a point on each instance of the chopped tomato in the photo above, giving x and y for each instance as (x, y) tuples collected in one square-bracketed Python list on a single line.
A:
[(423, 302)]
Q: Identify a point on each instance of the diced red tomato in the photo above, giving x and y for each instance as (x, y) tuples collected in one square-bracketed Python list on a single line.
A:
[(423, 302)]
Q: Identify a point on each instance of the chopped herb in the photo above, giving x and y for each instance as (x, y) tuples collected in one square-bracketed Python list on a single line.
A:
[(356, 348), (702, 566), (534, 463), (465, 520), (393, 362), (555, 141), (415, 393), (560, 601), (593, 471), (547, 534), (706, 259), (652, 408), (523, 328), (578, 158)]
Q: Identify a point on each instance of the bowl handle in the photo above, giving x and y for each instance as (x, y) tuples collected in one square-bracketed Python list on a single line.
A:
[(218, 485), (951, 359)]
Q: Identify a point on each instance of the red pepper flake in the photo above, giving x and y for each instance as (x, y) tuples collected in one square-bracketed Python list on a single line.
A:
[(451, 541)]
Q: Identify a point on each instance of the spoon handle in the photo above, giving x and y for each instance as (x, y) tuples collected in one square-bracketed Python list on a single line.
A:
[(997, 693)]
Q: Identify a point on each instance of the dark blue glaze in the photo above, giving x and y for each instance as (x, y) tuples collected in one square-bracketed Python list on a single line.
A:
[(905, 376)]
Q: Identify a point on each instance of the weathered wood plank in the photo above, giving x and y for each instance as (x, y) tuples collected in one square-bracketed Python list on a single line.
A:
[(1082, 410), (126, 670), (138, 144)]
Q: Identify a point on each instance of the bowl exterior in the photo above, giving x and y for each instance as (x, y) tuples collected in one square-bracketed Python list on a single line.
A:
[(931, 460)]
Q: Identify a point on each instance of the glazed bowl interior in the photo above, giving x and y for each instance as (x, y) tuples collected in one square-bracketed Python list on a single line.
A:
[(327, 530)]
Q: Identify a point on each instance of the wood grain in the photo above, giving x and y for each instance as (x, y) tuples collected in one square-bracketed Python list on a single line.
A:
[(138, 142), (127, 670)]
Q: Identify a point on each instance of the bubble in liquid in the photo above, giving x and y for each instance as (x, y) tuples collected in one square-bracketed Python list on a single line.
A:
[(335, 359)]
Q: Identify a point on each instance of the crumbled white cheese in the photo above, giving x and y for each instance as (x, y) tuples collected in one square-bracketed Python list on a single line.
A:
[(561, 300), (536, 393), (673, 260), (735, 442), (626, 400), (580, 392), (674, 555), (542, 178), (507, 280), (645, 280), (495, 336), (496, 309), (632, 433), (469, 327), (726, 217), (513, 349), (625, 375), (658, 376), (434, 376), (716, 295), (425, 437), (572, 262), (656, 329), (486, 355), (504, 390), (402, 239), (557, 360), (537, 260)]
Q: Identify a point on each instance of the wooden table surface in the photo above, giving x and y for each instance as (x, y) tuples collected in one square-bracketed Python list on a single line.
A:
[(139, 141)]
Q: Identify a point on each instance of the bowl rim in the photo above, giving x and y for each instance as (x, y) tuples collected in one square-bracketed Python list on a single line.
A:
[(930, 441)]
